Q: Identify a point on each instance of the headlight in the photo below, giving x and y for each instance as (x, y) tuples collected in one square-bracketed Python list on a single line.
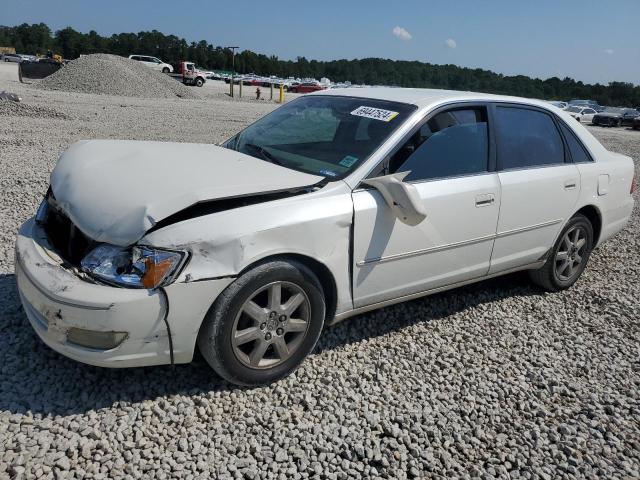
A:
[(134, 267)]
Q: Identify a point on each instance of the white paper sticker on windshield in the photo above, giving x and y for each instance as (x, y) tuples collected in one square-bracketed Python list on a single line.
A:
[(375, 113)]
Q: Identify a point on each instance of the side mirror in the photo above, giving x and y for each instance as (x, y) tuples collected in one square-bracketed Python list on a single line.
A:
[(403, 198)]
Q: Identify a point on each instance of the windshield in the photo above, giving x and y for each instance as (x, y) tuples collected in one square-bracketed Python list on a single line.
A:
[(322, 135), (574, 109)]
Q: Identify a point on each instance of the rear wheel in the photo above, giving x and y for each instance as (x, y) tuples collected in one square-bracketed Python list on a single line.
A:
[(569, 256), (264, 324)]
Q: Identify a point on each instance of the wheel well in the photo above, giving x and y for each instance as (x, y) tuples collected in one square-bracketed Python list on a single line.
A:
[(593, 215), (319, 269)]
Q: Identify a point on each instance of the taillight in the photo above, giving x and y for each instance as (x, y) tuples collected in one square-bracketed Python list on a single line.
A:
[(634, 184)]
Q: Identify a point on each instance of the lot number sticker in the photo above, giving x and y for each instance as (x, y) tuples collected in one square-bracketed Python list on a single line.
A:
[(375, 113)]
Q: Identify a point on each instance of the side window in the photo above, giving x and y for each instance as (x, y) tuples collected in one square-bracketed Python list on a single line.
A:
[(578, 153), (527, 138), (450, 144)]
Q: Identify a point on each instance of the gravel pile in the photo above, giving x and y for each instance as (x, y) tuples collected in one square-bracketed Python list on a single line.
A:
[(9, 108), (105, 74), (493, 380)]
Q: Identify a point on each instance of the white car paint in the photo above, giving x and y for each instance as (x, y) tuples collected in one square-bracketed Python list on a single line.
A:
[(535, 204), (149, 186), (582, 114), (476, 226), (414, 256), (152, 62)]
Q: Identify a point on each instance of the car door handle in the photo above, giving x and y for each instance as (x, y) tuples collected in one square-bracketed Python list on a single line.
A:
[(570, 184), (484, 200)]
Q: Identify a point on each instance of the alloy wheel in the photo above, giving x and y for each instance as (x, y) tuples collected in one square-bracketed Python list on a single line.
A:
[(271, 325), (571, 253)]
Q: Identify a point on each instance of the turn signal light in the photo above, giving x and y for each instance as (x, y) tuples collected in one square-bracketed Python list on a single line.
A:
[(155, 272)]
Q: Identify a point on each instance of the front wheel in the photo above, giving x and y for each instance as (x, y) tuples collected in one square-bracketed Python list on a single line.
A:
[(568, 258), (264, 324), (199, 82), (165, 70)]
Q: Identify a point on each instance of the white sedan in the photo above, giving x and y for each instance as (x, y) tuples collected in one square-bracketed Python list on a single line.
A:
[(581, 114), (334, 204), (152, 62)]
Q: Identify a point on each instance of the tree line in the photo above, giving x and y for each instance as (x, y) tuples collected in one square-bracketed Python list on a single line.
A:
[(38, 39)]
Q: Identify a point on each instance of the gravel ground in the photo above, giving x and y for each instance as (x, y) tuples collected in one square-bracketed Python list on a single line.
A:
[(493, 380)]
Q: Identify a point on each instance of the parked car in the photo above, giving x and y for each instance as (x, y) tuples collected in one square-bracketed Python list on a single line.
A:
[(587, 103), (153, 62), (337, 203), (615, 117), (11, 57), (581, 114), (306, 87), (28, 58), (560, 105)]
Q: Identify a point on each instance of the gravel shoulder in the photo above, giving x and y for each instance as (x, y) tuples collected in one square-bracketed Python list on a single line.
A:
[(492, 380)]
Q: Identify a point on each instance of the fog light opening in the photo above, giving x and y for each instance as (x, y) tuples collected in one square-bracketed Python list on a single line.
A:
[(94, 339)]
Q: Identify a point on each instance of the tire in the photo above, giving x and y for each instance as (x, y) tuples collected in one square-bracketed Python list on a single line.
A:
[(554, 276), (260, 358), (165, 70), (199, 82)]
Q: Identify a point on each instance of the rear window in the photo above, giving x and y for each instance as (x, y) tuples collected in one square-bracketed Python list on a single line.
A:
[(578, 152), (527, 138)]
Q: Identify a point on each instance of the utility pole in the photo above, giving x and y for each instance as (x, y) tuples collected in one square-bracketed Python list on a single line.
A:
[(233, 65)]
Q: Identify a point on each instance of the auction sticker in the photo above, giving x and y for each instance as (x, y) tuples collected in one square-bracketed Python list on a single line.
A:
[(375, 113)]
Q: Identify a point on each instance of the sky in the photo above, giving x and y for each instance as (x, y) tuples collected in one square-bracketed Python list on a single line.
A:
[(592, 41)]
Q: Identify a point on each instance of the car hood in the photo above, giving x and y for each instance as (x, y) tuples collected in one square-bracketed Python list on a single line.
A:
[(114, 191)]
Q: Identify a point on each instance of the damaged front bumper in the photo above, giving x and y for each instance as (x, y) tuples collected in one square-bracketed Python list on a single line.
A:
[(79, 319)]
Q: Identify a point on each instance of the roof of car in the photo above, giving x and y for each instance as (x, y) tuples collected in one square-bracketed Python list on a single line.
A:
[(423, 97)]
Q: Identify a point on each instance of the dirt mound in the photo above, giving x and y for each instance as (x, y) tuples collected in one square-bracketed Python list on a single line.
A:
[(104, 74)]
